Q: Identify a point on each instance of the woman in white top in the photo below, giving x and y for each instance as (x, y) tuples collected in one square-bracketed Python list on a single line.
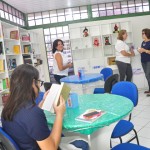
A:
[(123, 57), (60, 62)]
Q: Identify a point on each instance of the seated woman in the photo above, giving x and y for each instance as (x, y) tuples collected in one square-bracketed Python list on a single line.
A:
[(24, 121)]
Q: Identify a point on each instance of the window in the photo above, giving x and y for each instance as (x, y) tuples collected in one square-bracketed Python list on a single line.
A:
[(145, 5), (46, 17), (138, 6), (45, 14), (31, 23), (55, 16), (52, 34), (46, 20), (30, 16), (9, 13), (118, 8)]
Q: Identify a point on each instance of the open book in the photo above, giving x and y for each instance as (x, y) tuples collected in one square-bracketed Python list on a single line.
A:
[(90, 115), (53, 96)]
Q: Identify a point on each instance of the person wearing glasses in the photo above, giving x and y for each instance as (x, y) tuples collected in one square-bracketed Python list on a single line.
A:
[(123, 56), (25, 121), (145, 56), (60, 62)]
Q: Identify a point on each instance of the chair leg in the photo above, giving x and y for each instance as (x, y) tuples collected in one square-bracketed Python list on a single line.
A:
[(110, 144), (120, 139), (130, 116), (136, 136)]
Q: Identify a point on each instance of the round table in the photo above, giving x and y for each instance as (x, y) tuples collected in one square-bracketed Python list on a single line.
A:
[(116, 108), (85, 84)]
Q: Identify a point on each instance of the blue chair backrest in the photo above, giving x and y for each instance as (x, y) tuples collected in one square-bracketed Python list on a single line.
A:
[(126, 89), (39, 98), (7, 143), (107, 72)]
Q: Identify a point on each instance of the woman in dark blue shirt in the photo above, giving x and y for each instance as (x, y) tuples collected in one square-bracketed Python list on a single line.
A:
[(145, 55), (24, 121)]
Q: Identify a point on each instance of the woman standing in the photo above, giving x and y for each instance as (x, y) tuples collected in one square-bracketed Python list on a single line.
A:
[(145, 56), (123, 57), (60, 63)]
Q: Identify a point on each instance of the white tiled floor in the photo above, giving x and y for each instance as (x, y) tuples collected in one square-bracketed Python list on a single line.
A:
[(141, 121)]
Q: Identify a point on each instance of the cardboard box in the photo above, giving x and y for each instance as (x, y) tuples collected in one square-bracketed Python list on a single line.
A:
[(111, 60)]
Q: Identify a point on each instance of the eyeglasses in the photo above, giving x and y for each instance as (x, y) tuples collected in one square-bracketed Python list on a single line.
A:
[(41, 82)]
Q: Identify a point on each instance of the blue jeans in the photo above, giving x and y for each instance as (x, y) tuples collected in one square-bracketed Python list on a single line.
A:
[(146, 68)]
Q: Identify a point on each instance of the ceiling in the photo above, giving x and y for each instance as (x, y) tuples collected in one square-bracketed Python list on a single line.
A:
[(28, 6)]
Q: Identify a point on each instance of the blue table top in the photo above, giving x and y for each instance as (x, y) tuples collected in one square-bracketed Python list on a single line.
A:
[(87, 78)]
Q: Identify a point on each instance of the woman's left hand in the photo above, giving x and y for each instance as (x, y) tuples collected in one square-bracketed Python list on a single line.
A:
[(141, 50)]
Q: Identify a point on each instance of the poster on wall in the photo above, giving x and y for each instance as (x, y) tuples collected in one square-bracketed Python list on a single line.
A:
[(96, 41), (85, 32), (116, 28), (107, 40)]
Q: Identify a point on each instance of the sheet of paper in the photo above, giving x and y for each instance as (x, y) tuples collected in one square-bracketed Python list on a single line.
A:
[(48, 103)]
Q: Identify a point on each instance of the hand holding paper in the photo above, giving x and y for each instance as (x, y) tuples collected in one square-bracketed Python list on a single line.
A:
[(53, 97), (60, 109)]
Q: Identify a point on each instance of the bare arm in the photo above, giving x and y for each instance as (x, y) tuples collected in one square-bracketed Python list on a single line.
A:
[(124, 53), (59, 60), (141, 50), (52, 142)]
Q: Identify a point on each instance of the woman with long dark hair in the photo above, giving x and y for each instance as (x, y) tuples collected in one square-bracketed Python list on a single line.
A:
[(23, 120), (60, 63), (145, 56)]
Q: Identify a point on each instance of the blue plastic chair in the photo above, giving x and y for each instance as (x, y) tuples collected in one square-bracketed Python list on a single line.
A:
[(110, 81), (39, 98), (6, 142), (123, 127), (106, 72), (129, 146)]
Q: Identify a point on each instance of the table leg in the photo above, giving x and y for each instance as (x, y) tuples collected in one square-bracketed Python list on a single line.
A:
[(89, 142), (100, 140)]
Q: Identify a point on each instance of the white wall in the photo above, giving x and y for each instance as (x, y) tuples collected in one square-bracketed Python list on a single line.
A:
[(43, 53), (138, 23)]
